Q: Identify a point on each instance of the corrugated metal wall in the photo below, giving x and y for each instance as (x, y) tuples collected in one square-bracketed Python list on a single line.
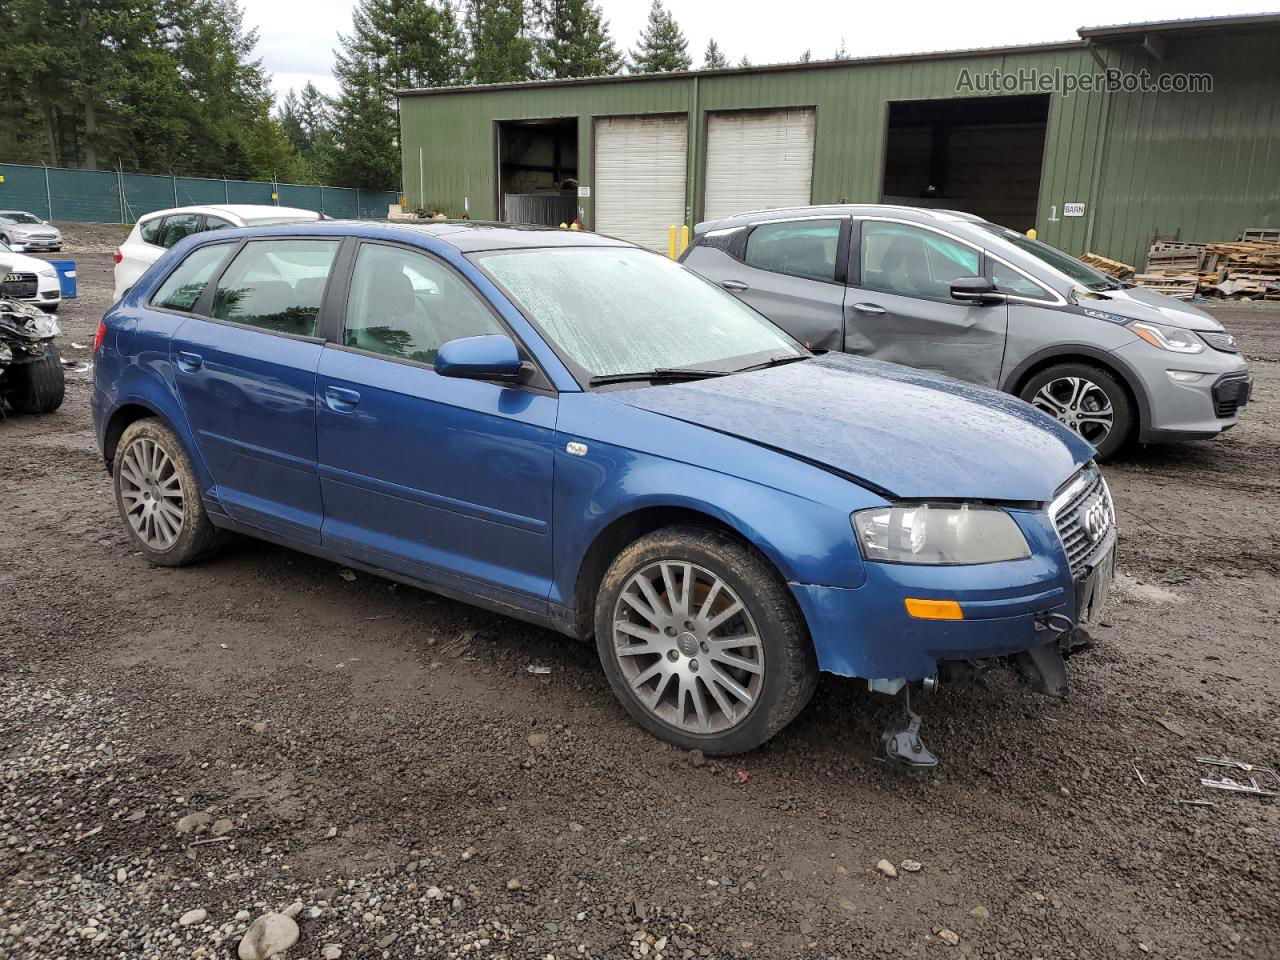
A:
[(93, 196), (1205, 165), (1192, 166)]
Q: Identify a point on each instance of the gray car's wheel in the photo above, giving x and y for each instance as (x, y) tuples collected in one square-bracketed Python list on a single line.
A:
[(159, 497), (1089, 400), (701, 641)]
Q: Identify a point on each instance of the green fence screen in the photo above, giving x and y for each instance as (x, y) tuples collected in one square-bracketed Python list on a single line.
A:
[(101, 196)]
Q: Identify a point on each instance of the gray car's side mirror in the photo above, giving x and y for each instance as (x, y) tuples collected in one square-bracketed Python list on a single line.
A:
[(975, 290), (489, 357)]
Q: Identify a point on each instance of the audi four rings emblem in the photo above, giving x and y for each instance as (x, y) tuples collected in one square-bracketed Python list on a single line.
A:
[(1094, 519)]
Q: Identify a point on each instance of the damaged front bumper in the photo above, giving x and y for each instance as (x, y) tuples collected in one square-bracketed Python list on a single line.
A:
[(1025, 613)]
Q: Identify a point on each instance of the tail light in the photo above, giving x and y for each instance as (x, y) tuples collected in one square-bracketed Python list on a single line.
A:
[(118, 256), (98, 337)]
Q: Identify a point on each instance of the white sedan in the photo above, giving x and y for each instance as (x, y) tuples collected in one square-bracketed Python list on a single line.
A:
[(29, 279), (155, 233)]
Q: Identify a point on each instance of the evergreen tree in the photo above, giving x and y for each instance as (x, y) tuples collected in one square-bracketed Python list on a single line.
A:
[(713, 58), (393, 44), (842, 52), (806, 56), (501, 49), (577, 41), (366, 152), (663, 47), (745, 61)]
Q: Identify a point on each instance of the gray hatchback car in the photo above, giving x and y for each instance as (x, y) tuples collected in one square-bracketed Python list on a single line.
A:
[(954, 293)]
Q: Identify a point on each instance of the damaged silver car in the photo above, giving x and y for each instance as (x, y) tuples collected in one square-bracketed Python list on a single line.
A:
[(31, 378)]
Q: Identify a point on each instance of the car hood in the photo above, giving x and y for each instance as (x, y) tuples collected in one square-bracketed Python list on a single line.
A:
[(1135, 303), (19, 263), (906, 433)]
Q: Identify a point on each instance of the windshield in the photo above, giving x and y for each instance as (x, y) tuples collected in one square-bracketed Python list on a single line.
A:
[(15, 217), (270, 219), (1054, 258), (617, 310)]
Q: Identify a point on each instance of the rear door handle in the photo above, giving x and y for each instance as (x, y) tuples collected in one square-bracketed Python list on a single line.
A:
[(189, 362), (734, 285), (340, 400), (871, 308)]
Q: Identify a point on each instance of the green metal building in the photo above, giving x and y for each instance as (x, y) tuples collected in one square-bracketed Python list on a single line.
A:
[(1011, 134)]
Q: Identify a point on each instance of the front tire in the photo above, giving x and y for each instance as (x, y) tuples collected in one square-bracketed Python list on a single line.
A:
[(701, 641), (158, 496), (39, 386), (1090, 401)]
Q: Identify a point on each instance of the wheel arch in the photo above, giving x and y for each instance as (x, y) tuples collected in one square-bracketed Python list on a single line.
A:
[(1092, 356), (624, 530)]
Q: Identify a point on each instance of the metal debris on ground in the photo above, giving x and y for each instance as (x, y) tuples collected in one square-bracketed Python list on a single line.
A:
[(1250, 786), (538, 669), (1198, 803), (1141, 779), (346, 574)]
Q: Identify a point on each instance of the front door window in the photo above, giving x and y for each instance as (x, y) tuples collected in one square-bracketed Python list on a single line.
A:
[(912, 262)]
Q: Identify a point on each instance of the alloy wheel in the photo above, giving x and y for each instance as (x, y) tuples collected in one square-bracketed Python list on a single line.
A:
[(151, 490), (1079, 404), (688, 647)]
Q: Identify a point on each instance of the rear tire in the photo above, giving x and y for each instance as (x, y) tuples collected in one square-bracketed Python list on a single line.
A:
[(1085, 399), (693, 670), (158, 496), (39, 386)]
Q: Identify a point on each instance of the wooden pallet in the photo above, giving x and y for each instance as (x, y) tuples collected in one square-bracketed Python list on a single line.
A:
[(1181, 286), (1113, 268)]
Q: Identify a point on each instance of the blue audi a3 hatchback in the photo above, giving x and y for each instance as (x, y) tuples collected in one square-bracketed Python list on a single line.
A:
[(571, 430)]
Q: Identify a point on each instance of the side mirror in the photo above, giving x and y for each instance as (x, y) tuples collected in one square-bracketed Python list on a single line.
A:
[(975, 290), (491, 357)]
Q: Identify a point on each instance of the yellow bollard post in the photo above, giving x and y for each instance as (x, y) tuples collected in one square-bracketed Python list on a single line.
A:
[(574, 225), (1032, 233), (684, 237), (564, 226), (671, 242)]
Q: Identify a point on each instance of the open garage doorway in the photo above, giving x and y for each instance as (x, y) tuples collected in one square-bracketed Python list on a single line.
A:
[(538, 171), (982, 155)]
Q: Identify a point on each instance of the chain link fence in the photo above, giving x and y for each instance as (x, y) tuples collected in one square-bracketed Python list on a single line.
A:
[(103, 196)]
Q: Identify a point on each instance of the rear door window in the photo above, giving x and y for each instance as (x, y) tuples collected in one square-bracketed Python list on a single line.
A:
[(177, 226), (276, 285), (798, 248), (216, 223), (913, 262), (182, 288)]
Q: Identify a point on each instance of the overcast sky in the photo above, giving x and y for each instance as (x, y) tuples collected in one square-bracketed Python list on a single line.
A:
[(297, 37)]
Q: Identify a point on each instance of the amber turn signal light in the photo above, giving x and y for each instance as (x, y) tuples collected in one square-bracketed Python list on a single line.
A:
[(934, 609)]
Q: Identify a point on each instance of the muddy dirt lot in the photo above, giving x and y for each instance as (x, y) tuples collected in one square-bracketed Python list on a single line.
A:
[(382, 763)]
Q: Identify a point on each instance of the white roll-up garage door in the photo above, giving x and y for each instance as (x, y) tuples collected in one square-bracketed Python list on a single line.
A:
[(640, 177), (759, 159)]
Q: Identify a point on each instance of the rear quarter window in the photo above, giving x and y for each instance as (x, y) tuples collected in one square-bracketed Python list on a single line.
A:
[(149, 230), (182, 288)]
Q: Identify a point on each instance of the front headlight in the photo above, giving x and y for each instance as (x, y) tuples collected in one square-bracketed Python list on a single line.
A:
[(1166, 337), (939, 533)]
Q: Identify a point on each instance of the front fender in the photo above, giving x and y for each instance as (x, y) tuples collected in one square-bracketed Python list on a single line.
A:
[(796, 514)]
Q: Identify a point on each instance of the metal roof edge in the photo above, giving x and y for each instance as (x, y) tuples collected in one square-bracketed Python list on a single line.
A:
[(965, 54), (1227, 20)]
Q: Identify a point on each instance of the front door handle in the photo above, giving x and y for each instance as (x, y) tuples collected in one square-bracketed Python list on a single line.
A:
[(871, 308), (340, 400), (735, 285), (189, 362)]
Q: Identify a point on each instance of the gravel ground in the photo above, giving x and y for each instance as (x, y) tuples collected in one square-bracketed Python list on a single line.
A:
[(185, 751)]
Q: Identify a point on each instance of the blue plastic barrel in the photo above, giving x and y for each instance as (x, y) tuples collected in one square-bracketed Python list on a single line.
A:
[(66, 277)]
